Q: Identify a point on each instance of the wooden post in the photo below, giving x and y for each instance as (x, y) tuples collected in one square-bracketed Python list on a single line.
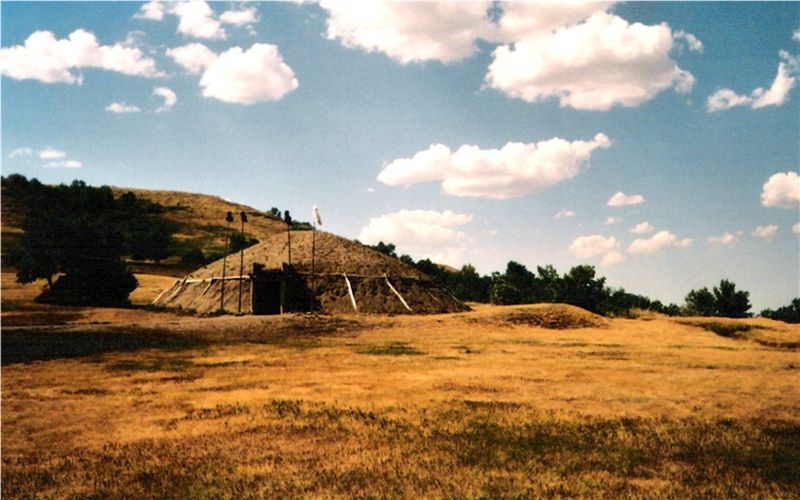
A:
[(313, 257), (228, 219), (243, 217), (350, 291)]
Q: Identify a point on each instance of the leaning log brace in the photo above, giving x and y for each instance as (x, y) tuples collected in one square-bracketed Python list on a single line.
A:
[(396, 292), (350, 291)]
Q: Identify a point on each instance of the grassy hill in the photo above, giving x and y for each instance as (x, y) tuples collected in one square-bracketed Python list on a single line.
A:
[(198, 218)]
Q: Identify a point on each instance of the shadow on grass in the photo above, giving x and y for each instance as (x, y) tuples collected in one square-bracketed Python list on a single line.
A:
[(40, 345)]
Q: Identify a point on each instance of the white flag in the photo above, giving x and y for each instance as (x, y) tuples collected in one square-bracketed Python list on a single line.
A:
[(315, 215)]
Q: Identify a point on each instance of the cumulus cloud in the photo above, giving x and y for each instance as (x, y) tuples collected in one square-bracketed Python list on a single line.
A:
[(612, 221), (49, 60), (725, 239), (595, 245), (642, 228), (564, 214), (169, 98), (776, 95), (20, 152), (595, 65), (119, 107), (50, 153), (238, 76), (244, 17), (659, 241), (796, 35), (512, 171), (612, 258), (765, 232), (796, 228), (620, 199), (691, 41), (409, 31), (781, 190), (153, 11), (197, 19), (429, 233), (64, 164)]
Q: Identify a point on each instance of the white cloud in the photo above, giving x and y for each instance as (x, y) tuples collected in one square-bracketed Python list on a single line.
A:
[(595, 65), (595, 245), (612, 258), (796, 35), (692, 42), (620, 199), (64, 164), (514, 170), (118, 107), (20, 152), (429, 233), (244, 17), (236, 75), (153, 10), (50, 153), (659, 241), (781, 190), (49, 60), (526, 19), (564, 214), (796, 228), (410, 31), (592, 245), (765, 232), (776, 95), (725, 239), (194, 57), (642, 228), (195, 18), (612, 221), (169, 98)]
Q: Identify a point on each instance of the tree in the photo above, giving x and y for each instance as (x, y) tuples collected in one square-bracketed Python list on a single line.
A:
[(701, 303), (788, 314), (548, 284), (385, 248), (503, 292), (583, 290), (74, 230), (520, 278), (731, 303)]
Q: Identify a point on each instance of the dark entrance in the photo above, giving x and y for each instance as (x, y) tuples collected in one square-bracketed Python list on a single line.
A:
[(274, 288), (267, 295)]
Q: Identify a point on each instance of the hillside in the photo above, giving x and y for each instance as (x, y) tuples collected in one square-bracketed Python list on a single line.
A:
[(199, 219)]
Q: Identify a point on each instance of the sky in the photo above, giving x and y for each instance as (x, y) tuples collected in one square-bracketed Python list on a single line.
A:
[(659, 142)]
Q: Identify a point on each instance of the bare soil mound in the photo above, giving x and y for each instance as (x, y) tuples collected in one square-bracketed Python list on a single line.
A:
[(551, 316)]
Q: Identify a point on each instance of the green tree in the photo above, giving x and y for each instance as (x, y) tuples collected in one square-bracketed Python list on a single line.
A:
[(701, 303), (74, 230), (549, 284), (583, 290), (731, 303), (503, 292), (788, 314)]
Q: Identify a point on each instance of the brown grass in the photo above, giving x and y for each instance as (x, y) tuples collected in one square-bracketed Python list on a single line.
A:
[(472, 404)]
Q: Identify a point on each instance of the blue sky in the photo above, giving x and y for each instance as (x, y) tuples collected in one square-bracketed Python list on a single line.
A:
[(457, 131)]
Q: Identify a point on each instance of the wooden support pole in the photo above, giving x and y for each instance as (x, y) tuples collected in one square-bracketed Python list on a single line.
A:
[(396, 292), (350, 291)]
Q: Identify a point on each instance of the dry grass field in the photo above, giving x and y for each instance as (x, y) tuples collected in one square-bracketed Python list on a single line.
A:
[(531, 401)]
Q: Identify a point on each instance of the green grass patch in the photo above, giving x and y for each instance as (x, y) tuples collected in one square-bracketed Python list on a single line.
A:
[(390, 349), (152, 365)]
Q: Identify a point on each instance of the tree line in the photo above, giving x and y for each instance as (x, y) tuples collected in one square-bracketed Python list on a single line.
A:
[(581, 286)]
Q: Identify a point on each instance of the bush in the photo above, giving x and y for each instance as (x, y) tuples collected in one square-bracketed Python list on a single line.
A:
[(193, 256)]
